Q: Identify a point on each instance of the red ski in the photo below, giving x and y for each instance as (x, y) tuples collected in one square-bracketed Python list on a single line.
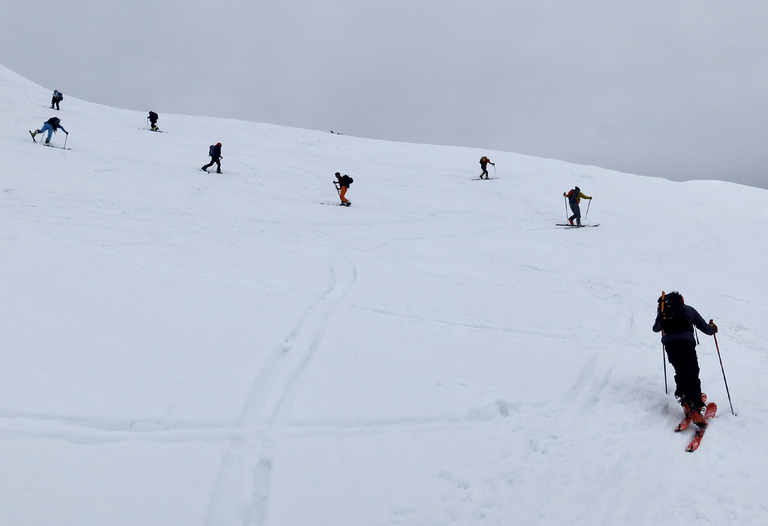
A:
[(709, 414), (686, 421)]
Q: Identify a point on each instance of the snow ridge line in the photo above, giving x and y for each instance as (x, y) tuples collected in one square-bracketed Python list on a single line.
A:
[(241, 494)]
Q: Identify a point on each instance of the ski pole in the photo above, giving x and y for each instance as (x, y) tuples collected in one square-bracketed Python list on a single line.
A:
[(587, 213), (66, 136), (494, 170), (336, 186), (663, 348), (722, 369), (565, 200)]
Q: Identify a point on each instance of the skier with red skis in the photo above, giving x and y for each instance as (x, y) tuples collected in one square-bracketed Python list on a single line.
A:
[(675, 320)]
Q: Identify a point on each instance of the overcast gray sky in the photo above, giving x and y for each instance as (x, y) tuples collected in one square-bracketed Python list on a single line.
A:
[(669, 88)]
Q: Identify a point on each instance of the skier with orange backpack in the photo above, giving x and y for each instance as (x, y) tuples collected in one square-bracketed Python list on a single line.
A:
[(484, 161)]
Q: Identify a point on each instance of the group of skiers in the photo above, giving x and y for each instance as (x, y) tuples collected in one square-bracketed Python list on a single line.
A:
[(674, 319), (53, 125)]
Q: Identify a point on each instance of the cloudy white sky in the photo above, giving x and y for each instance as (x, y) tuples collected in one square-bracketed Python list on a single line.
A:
[(674, 89)]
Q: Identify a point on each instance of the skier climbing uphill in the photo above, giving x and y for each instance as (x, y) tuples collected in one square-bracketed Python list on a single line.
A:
[(51, 126), (214, 151), (484, 161), (56, 99), (153, 121), (342, 185), (675, 320), (574, 198)]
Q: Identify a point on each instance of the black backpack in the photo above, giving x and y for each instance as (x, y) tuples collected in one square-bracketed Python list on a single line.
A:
[(673, 315), (54, 121), (152, 116), (210, 150)]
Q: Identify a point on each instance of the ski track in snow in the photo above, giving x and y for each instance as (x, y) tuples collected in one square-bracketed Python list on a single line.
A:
[(268, 405)]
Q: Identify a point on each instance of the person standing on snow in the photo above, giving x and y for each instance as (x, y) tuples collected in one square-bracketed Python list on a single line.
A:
[(57, 97), (574, 198), (342, 185), (675, 321), (484, 161), (51, 125), (215, 153), (153, 121)]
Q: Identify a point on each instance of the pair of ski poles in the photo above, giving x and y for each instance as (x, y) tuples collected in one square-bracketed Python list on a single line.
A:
[(565, 200)]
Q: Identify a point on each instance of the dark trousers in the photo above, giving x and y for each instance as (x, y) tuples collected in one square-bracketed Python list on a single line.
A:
[(216, 160), (576, 213), (682, 356)]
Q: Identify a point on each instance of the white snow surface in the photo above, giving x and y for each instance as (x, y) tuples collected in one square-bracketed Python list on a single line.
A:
[(188, 348)]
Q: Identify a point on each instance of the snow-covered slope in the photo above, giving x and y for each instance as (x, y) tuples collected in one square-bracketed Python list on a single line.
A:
[(201, 349)]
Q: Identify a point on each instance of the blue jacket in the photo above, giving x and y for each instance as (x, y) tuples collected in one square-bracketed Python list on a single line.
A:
[(694, 317)]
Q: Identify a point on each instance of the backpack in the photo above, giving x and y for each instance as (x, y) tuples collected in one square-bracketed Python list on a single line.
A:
[(57, 95), (54, 121), (673, 315), (152, 116), (484, 160), (210, 150)]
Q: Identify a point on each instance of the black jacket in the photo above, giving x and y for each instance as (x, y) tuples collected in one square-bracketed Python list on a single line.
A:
[(694, 317)]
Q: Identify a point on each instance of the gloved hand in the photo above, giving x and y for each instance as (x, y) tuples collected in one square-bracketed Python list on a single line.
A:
[(712, 324), (67, 133)]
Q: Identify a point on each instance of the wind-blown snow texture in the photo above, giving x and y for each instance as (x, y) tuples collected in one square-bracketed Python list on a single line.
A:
[(202, 349)]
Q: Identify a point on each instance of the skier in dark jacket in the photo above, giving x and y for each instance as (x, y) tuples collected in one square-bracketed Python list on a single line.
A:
[(153, 121), (57, 97), (574, 198), (51, 125), (680, 344), (215, 153), (342, 183)]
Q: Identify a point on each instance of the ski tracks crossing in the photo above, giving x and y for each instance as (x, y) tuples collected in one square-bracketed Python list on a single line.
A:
[(242, 490)]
